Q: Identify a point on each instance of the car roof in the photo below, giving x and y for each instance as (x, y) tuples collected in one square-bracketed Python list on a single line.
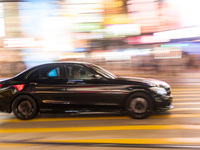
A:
[(64, 62), (23, 73)]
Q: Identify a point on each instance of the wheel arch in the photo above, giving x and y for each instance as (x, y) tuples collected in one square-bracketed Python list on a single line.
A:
[(139, 92), (20, 94), (25, 107)]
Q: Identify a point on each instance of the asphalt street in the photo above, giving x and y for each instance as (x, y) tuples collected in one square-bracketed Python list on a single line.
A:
[(176, 129)]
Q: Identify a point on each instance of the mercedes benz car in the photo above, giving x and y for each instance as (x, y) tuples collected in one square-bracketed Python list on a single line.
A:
[(81, 87)]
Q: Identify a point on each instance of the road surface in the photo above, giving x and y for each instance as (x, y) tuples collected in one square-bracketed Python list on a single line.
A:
[(176, 129)]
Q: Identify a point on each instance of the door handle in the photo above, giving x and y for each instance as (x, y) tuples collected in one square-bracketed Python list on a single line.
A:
[(33, 83)]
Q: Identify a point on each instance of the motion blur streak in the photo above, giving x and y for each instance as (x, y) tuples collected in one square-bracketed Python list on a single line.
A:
[(64, 119), (134, 141), (139, 38), (102, 118), (98, 128), (153, 38), (12, 145)]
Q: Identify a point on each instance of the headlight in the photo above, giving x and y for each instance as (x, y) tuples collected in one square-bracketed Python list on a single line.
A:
[(158, 90)]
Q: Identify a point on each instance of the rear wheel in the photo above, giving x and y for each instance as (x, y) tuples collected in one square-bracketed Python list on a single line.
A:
[(25, 107), (139, 106)]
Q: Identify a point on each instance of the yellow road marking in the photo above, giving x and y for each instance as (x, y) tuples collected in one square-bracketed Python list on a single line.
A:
[(99, 128), (132, 141), (107, 118), (183, 109), (188, 95), (185, 141), (186, 89), (65, 119), (176, 116), (185, 92), (191, 103), (14, 144), (183, 99)]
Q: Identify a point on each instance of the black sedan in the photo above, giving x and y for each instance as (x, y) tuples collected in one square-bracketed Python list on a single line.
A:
[(81, 87)]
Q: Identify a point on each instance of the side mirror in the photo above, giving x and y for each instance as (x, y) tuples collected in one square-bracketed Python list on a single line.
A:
[(96, 76)]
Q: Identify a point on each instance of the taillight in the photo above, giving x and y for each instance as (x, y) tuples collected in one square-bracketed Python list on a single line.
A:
[(19, 87), (1, 85)]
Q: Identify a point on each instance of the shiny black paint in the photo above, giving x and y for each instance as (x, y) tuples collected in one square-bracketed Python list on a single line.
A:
[(62, 94)]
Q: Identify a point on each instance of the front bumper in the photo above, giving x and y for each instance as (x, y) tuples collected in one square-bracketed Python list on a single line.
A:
[(163, 102)]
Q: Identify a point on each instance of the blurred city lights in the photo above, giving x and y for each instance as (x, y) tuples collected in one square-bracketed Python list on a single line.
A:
[(2, 27), (179, 33), (187, 9), (139, 38), (174, 45), (123, 30), (112, 33)]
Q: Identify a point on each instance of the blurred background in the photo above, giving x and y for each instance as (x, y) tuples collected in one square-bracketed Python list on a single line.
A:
[(148, 38), (143, 38)]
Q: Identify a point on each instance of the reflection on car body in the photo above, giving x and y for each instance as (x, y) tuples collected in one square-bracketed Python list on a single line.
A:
[(74, 86)]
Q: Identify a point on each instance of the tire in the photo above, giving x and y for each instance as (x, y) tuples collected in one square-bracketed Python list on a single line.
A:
[(139, 106), (24, 107)]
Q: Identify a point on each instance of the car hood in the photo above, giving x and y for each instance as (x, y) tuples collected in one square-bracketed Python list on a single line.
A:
[(148, 81)]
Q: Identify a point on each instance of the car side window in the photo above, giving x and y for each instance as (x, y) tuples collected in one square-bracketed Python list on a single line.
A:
[(54, 73), (78, 72), (50, 72), (46, 72)]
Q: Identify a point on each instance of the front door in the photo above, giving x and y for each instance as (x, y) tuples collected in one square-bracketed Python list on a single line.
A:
[(85, 91)]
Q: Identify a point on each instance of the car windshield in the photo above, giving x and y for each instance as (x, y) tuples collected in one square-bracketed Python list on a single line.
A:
[(104, 72)]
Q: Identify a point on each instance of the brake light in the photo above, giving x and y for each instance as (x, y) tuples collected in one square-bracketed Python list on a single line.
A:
[(1, 85), (19, 87)]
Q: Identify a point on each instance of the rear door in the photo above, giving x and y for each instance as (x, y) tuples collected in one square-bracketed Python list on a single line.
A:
[(48, 86)]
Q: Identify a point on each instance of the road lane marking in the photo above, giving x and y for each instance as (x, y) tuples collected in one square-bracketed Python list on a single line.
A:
[(10, 144), (185, 89), (65, 119), (183, 143), (190, 99), (195, 115), (184, 109), (131, 141), (175, 116), (191, 103), (99, 128), (186, 95), (185, 92)]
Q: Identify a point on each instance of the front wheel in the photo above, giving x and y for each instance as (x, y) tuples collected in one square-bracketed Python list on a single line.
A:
[(25, 107), (139, 106)]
